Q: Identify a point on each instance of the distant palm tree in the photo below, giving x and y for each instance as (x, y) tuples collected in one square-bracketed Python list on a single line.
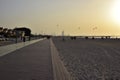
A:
[(9, 33), (1, 31), (5, 30)]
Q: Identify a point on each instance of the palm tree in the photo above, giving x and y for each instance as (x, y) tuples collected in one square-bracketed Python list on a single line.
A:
[(1, 31), (5, 30)]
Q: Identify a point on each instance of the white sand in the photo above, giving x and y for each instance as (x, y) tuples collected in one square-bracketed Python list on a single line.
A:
[(90, 59)]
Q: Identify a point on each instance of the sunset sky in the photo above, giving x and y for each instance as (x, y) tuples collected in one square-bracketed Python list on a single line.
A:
[(74, 17)]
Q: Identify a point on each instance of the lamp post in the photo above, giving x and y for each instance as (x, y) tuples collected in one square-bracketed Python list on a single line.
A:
[(63, 35), (95, 28), (23, 36)]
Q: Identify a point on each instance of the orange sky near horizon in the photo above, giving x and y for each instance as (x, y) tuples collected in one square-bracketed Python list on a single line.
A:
[(74, 17)]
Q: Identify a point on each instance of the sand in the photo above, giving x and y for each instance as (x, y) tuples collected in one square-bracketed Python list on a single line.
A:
[(90, 59)]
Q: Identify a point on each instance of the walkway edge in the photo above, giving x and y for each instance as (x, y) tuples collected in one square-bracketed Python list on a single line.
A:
[(59, 70), (12, 47)]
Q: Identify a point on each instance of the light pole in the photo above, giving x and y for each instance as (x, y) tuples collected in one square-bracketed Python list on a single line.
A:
[(95, 28), (63, 35)]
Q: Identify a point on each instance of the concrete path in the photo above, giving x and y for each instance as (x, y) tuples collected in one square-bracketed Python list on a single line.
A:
[(32, 62), (12, 47)]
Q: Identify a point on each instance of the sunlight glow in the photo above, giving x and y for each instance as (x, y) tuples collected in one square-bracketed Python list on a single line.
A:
[(116, 11)]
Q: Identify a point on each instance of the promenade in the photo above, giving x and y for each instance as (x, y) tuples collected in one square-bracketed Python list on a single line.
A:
[(5, 49), (30, 62)]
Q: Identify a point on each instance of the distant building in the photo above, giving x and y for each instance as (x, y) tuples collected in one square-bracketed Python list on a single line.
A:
[(15, 33), (23, 32), (26, 31)]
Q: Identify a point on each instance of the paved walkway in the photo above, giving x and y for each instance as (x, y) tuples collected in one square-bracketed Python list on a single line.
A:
[(12, 47), (32, 62)]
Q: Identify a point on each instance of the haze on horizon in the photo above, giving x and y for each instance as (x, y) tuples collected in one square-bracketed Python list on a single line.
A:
[(74, 17)]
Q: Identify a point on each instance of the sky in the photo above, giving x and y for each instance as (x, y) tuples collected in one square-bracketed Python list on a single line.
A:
[(74, 17)]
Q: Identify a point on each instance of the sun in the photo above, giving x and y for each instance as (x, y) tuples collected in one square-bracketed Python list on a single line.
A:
[(115, 12)]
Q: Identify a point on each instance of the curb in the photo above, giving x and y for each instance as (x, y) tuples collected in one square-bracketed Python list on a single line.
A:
[(59, 70)]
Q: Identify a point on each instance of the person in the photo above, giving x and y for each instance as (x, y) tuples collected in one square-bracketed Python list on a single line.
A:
[(23, 39)]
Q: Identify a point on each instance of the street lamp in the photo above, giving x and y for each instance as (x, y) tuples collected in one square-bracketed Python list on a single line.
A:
[(63, 35)]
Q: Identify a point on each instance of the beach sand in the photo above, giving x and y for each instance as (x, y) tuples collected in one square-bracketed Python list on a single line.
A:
[(87, 59)]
